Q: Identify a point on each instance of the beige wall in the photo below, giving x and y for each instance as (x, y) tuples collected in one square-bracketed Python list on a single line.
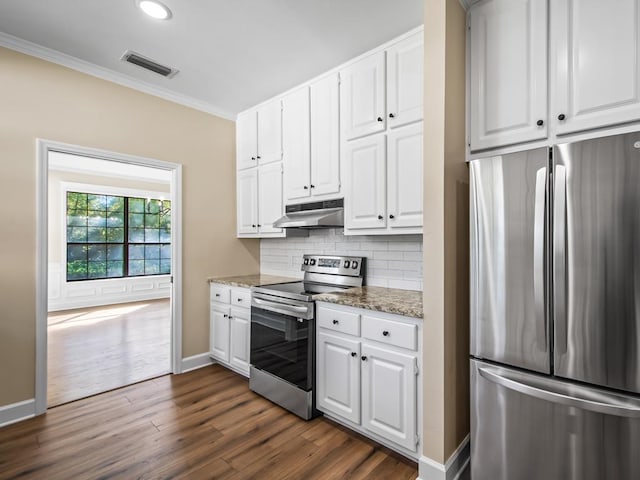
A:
[(446, 233), (42, 100)]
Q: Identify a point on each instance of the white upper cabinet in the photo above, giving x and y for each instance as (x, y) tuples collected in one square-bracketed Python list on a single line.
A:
[(404, 177), (325, 137), (363, 97), (296, 133), (405, 84), (365, 205), (508, 72), (247, 140), (247, 198), (270, 205), (270, 132), (595, 67)]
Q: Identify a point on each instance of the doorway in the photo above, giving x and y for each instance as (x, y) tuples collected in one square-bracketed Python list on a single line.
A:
[(108, 301)]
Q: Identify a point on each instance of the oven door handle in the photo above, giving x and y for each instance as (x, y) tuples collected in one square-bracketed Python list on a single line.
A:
[(281, 306)]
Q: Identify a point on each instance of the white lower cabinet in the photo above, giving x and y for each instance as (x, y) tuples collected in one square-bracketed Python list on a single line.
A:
[(230, 327), (370, 381)]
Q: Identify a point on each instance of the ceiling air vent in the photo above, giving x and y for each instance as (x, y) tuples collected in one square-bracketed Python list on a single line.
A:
[(148, 64)]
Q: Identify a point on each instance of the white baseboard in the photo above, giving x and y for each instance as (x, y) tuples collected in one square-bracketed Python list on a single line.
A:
[(451, 470), (195, 362), (16, 412)]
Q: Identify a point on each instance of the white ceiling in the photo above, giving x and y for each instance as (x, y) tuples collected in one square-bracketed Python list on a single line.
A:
[(231, 54)]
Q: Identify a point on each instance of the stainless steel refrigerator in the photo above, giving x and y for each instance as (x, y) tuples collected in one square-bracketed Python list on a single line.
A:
[(555, 312)]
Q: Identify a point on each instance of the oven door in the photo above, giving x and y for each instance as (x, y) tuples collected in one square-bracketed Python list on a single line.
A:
[(283, 339)]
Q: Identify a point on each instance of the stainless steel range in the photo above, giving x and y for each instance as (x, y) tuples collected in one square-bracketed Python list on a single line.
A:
[(283, 330)]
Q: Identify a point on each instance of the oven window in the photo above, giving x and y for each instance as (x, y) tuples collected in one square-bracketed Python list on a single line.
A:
[(282, 346)]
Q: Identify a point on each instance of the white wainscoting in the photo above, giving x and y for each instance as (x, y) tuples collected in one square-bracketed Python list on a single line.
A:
[(65, 295)]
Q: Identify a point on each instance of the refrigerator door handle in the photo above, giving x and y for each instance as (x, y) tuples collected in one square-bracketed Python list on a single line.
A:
[(559, 258), (569, 395), (538, 257)]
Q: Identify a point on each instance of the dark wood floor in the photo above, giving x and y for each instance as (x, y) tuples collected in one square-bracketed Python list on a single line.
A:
[(93, 350), (205, 424)]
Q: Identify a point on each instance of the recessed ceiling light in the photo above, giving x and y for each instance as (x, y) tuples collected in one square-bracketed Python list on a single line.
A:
[(155, 9)]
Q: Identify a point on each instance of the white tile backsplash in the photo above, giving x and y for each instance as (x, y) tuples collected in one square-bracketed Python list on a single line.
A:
[(393, 261)]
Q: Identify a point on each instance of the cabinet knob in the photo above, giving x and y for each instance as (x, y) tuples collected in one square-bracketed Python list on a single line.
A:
[(353, 354), (305, 187), (258, 157), (239, 299), (364, 358), (253, 225), (230, 317), (385, 333), (335, 322), (561, 116), (259, 225), (313, 186), (225, 315), (540, 123), (380, 217), (391, 115), (392, 216), (217, 294), (253, 158), (380, 119)]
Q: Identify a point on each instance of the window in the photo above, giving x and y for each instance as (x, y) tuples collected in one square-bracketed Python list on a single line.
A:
[(113, 236)]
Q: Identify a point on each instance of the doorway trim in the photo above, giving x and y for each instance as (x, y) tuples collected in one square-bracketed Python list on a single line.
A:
[(43, 147)]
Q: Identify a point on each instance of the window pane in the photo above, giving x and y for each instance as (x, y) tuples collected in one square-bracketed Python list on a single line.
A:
[(152, 220), (165, 220), (97, 269), (153, 206), (136, 205), (97, 219), (76, 252), (115, 220), (115, 204), (166, 205), (97, 253), (76, 201), (97, 234), (136, 220), (152, 252), (115, 269), (77, 218), (76, 234), (165, 266), (151, 267), (77, 270), (115, 235), (136, 267), (136, 235), (136, 252), (96, 202), (115, 252), (165, 251), (151, 235), (165, 235)]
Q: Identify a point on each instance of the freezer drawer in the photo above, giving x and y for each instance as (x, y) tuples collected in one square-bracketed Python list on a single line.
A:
[(509, 229), (532, 427)]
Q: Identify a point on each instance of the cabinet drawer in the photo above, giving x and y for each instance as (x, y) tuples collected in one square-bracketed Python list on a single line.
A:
[(220, 293), (399, 334), (241, 297), (339, 321)]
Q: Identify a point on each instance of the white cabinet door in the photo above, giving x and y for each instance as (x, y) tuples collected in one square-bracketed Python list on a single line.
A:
[(363, 97), (270, 204), (365, 196), (325, 136), (404, 176), (508, 78), (338, 376), (270, 132), (389, 395), (246, 140), (595, 63), (296, 144), (405, 84), (239, 338), (219, 332), (247, 196)]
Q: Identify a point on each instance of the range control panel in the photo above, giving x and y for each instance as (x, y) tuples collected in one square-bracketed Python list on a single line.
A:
[(335, 265)]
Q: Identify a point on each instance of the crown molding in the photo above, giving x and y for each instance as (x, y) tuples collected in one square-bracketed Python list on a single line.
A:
[(466, 4), (53, 56)]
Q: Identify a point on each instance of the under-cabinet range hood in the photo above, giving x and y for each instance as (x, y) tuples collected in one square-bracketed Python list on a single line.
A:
[(327, 214)]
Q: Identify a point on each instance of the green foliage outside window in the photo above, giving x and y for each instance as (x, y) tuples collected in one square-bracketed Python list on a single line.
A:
[(112, 236)]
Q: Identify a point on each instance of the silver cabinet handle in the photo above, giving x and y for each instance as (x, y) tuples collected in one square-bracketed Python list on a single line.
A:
[(559, 258), (280, 305), (539, 257), (569, 395)]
